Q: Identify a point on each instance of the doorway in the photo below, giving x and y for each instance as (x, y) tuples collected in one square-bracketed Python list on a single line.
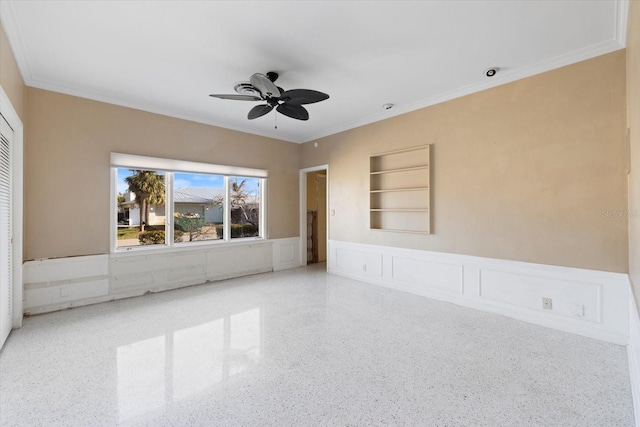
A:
[(313, 215)]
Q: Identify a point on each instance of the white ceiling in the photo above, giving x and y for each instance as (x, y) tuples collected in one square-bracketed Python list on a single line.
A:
[(168, 56)]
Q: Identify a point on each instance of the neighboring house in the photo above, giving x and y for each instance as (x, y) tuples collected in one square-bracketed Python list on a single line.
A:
[(129, 212), (199, 201), (186, 200)]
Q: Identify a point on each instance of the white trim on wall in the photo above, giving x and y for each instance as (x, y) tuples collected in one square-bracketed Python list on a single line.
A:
[(285, 253), (56, 284), (170, 165), (585, 302), (17, 155)]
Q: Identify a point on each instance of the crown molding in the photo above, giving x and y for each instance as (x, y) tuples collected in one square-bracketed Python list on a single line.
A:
[(622, 21), (12, 29), (504, 77)]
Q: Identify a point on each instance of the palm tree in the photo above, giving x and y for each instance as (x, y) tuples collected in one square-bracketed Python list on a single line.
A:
[(148, 187), (240, 200), (239, 196)]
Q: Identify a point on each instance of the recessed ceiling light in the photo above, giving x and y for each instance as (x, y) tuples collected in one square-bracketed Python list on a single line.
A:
[(490, 72)]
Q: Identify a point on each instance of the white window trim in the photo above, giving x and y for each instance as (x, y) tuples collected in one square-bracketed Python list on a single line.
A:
[(133, 161), (169, 166)]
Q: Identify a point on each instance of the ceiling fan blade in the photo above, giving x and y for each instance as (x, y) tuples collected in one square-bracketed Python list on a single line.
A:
[(259, 111), (237, 97), (303, 96), (293, 111), (264, 85)]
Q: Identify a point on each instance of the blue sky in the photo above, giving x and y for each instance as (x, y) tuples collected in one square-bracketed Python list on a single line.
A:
[(184, 180)]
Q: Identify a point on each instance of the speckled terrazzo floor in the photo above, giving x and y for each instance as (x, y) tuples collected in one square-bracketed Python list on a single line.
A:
[(299, 348)]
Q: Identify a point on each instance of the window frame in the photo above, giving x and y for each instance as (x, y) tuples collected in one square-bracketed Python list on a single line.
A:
[(169, 167)]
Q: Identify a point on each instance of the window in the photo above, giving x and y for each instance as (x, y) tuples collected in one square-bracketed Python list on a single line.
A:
[(244, 195), (141, 213), (198, 207), (170, 203)]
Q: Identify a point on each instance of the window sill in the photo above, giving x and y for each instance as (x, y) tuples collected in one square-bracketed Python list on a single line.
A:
[(187, 246)]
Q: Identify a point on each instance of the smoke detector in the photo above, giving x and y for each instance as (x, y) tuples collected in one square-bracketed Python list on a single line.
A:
[(490, 72)]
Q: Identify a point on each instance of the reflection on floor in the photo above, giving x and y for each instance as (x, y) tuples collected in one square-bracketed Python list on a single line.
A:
[(301, 347), (199, 356)]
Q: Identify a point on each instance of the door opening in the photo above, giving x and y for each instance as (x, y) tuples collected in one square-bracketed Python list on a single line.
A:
[(313, 215), (316, 217)]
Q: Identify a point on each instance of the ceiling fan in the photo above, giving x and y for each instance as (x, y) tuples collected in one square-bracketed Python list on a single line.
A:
[(262, 88)]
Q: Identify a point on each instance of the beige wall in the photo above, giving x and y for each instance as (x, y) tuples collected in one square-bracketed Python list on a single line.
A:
[(633, 122), (522, 171), (67, 167), (10, 77)]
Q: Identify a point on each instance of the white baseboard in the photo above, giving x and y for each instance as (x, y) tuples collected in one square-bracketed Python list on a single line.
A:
[(586, 302), (56, 284), (285, 253), (633, 355)]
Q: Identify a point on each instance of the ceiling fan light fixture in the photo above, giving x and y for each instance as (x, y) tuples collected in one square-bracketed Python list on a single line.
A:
[(245, 88)]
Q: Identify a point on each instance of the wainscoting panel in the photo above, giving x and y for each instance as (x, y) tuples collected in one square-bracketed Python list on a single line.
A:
[(428, 274), (360, 262), (55, 284), (238, 261), (135, 274), (58, 283), (586, 302), (574, 299), (285, 253)]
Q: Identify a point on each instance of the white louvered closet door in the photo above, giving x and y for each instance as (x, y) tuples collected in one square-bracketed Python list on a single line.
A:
[(6, 137)]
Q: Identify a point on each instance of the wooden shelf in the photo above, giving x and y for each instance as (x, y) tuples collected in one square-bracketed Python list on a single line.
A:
[(398, 210), (398, 230), (399, 190), (414, 168), (392, 190)]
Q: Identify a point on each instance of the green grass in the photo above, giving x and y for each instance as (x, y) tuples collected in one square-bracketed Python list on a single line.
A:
[(134, 232), (128, 233)]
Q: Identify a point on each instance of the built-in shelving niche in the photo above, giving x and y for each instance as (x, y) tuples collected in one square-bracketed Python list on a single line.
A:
[(399, 191)]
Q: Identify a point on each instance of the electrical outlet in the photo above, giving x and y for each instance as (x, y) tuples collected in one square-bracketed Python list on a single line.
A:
[(546, 303)]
